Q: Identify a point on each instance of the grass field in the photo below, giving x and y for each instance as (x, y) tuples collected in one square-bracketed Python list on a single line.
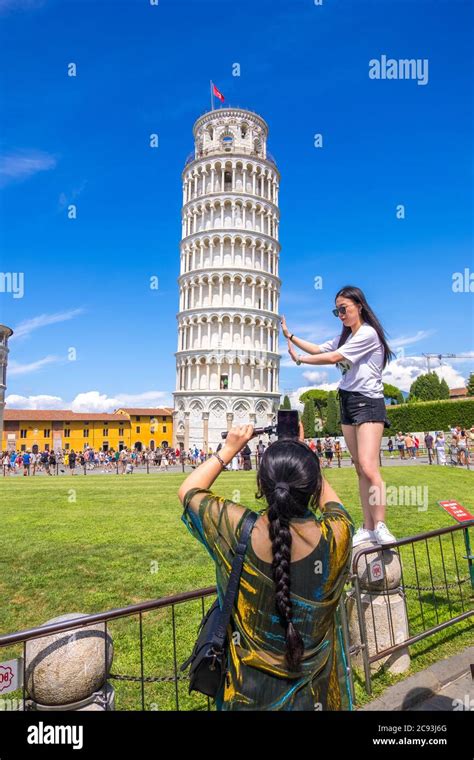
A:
[(88, 544)]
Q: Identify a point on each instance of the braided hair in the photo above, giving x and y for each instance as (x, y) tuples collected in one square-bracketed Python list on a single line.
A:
[(289, 477)]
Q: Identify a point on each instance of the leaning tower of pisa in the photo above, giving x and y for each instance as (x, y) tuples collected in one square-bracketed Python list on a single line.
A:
[(227, 362)]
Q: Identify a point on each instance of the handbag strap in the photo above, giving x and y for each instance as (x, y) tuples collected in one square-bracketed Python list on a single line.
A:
[(234, 578)]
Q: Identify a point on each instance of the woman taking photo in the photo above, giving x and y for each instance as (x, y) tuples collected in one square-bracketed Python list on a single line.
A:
[(361, 352), (285, 641)]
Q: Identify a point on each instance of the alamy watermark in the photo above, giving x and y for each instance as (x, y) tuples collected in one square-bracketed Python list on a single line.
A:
[(403, 68), (399, 496), (13, 282)]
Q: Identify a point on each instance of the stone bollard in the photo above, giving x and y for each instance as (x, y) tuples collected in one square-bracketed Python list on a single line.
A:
[(100, 700), (383, 609), (66, 670)]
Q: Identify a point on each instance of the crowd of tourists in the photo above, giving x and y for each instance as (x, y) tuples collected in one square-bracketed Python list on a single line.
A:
[(330, 450)]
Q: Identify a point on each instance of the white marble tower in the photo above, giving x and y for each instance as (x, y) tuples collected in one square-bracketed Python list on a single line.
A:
[(227, 362)]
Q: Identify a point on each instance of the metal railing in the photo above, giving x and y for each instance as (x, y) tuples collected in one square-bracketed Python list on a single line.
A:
[(171, 674), (431, 603), (435, 596)]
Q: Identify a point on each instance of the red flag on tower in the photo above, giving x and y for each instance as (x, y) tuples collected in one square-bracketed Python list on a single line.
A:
[(217, 93)]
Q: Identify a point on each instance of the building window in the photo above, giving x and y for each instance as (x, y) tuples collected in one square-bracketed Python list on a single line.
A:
[(105, 446), (23, 433), (137, 419), (227, 181), (46, 446), (137, 429), (120, 431), (23, 447), (67, 433), (85, 433), (66, 446), (105, 433), (47, 432), (224, 384), (164, 428)]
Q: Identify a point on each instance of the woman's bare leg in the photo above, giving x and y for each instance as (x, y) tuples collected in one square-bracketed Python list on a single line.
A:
[(372, 491), (350, 437)]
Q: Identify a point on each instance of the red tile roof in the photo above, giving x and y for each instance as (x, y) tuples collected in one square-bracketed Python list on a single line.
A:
[(457, 392), (152, 411), (57, 415)]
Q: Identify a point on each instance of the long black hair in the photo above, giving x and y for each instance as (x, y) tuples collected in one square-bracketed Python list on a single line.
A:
[(368, 316), (291, 462)]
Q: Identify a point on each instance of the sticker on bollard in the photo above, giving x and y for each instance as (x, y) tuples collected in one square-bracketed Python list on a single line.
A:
[(11, 675), (456, 510)]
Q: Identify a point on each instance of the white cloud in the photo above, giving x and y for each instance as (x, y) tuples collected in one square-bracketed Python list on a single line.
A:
[(25, 328), (402, 372), (315, 376), (23, 164), (14, 401), (15, 368), (91, 401), (409, 339), (94, 401)]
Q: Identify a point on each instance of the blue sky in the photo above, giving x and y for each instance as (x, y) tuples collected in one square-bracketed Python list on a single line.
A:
[(145, 69)]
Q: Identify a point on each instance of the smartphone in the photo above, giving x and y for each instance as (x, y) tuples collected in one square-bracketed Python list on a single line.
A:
[(287, 423)]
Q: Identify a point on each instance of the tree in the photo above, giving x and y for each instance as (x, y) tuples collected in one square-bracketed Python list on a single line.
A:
[(444, 389), (392, 393), (286, 403), (427, 388), (307, 418), (470, 385), (331, 427), (319, 398)]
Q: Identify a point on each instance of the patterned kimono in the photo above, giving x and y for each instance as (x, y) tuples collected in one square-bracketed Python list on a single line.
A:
[(257, 677)]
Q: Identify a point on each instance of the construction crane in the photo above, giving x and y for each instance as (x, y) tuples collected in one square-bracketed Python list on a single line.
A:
[(428, 357)]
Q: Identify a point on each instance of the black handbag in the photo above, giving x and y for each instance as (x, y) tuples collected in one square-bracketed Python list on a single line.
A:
[(208, 659)]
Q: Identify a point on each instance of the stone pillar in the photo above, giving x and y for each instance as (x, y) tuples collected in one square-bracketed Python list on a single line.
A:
[(5, 334), (67, 670), (186, 431), (175, 428), (205, 442), (383, 609)]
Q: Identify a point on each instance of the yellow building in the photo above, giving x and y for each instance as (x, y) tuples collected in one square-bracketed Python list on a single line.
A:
[(40, 429), (149, 427)]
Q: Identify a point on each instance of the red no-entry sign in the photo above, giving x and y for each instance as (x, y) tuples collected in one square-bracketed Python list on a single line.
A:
[(456, 510)]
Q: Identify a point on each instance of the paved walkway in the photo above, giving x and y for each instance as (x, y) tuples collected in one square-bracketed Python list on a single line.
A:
[(446, 685)]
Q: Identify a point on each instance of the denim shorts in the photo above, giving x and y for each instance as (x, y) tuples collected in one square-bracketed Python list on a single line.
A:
[(356, 408)]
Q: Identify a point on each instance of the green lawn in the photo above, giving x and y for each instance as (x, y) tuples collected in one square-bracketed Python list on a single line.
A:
[(114, 540)]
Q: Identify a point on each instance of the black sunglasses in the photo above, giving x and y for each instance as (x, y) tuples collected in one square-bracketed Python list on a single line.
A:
[(339, 310)]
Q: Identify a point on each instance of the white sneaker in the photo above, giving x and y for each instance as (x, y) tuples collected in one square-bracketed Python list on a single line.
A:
[(382, 535), (362, 536)]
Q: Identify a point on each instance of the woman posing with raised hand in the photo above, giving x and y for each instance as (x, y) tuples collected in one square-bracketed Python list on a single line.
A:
[(361, 352)]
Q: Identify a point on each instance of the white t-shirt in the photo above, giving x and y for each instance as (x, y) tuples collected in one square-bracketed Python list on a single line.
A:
[(363, 361)]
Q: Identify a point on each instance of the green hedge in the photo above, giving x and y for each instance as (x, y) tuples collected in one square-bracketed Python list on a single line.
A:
[(431, 415)]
